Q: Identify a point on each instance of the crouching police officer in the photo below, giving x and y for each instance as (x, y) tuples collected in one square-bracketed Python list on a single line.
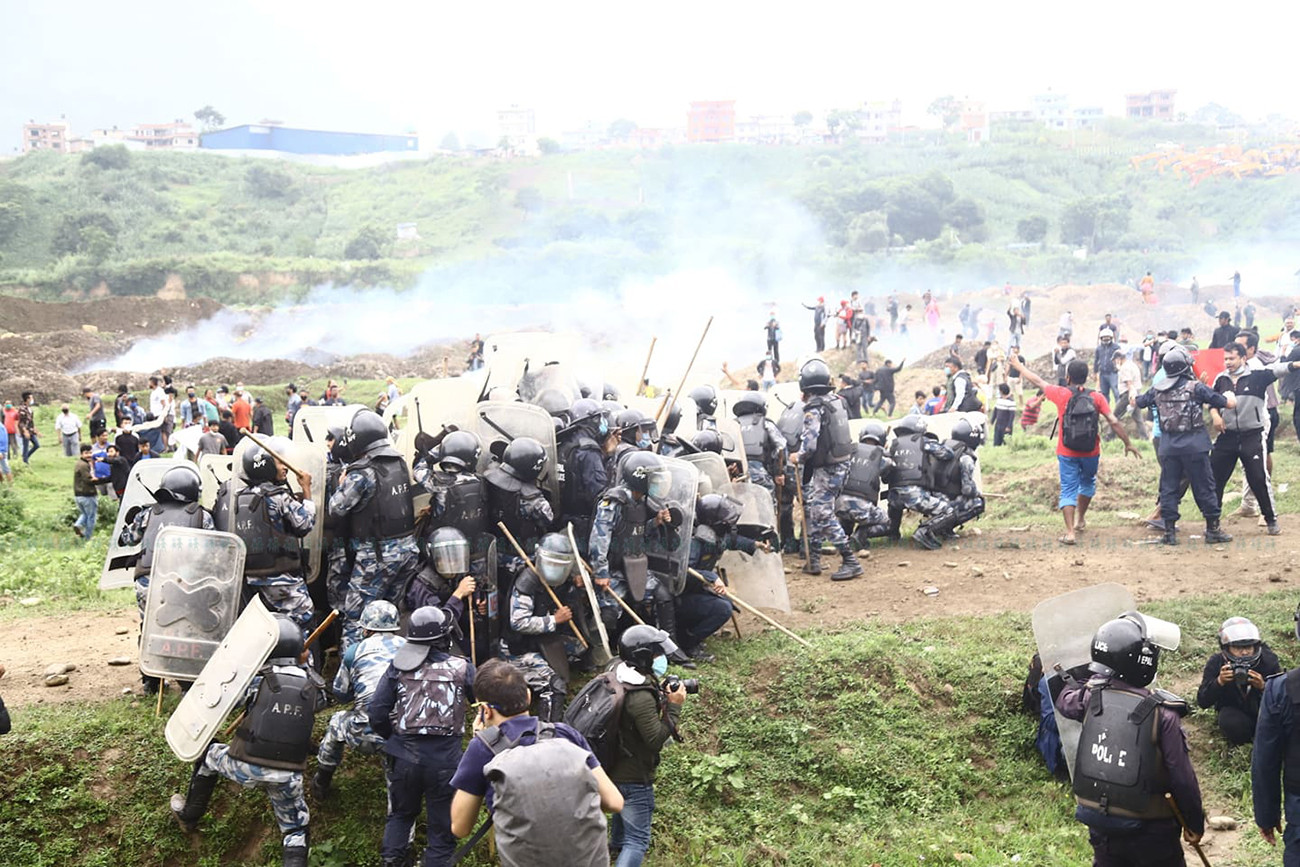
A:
[(953, 481), (858, 505), (270, 747), (1132, 751)]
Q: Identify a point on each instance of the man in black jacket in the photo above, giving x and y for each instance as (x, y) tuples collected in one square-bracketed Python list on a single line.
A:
[(1225, 333), (885, 384), (1233, 681)]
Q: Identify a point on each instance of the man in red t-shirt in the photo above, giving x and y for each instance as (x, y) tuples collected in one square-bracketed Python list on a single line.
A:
[(242, 411), (1078, 470)]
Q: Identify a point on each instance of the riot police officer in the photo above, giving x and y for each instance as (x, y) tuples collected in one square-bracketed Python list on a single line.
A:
[(790, 424), (339, 557), (1132, 750), (825, 447), (533, 639), (765, 447), (515, 499), (176, 504), (702, 609), (953, 480), (270, 747), (272, 521), (375, 495), (585, 476), (1277, 748), (707, 440), (858, 505), (634, 431), (670, 445), (705, 398), (909, 452)]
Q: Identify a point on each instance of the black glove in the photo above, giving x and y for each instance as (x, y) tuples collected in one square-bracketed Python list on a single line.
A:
[(424, 443)]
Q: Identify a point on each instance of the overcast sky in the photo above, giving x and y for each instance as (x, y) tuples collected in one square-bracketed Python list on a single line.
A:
[(432, 67)]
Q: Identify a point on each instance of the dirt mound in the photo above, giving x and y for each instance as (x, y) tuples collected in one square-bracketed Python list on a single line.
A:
[(122, 315)]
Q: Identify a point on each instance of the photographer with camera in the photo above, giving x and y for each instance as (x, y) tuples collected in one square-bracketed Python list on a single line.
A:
[(1233, 682)]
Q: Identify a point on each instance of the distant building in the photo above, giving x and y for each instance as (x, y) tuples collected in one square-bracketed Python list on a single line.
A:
[(283, 139), (1019, 115), (711, 121), (46, 136), (974, 121), (878, 119), (177, 135), (766, 129), (1153, 105), (1089, 117), (1052, 110), (590, 135), (650, 138), (518, 128)]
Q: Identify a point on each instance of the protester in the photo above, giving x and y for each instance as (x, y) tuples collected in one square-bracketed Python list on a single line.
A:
[(819, 322), (85, 494), (773, 329), (68, 426)]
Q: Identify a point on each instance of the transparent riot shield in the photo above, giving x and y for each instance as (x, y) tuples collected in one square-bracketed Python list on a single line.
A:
[(658, 406), (312, 423), (186, 440), (733, 447), (310, 460), (222, 682), (1063, 629), (759, 578), (487, 592), (758, 513), (430, 405), (711, 467), (548, 377), (501, 422), (119, 562), (194, 595), (214, 471), (508, 354), (669, 553)]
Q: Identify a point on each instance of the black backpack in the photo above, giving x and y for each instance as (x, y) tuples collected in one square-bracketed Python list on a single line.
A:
[(596, 712), (1080, 423)]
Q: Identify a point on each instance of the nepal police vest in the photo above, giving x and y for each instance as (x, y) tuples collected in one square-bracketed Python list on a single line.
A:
[(1291, 765), (629, 531), (1179, 411), (390, 513), (908, 456), (529, 589), (465, 503), (753, 433), (1119, 769), (944, 477), (790, 424), (276, 732), (512, 509), (161, 515), (270, 550), (432, 698), (576, 500), (835, 443), (863, 479)]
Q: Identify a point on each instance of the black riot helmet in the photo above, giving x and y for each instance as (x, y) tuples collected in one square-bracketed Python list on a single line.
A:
[(1121, 648), (638, 469), (334, 439), (430, 629), (289, 644), (751, 403), (708, 441), (608, 392), (179, 485), (554, 558), (814, 377), (585, 409), (260, 465), (554, 402), (460, 450), (673, 420), (524, 458), (364, 430), (1177, 362), (718, 510), (965, 432), (632, 424), (639, 646), (705, 398), (910, 424), (874, 432)]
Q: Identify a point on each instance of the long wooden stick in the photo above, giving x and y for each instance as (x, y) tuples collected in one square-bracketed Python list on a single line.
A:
[(264, 444), (529, 563), (640, 383), (803, 513), (162, 687), (302, 657), (589, 586), (631, 612), (750, 608), (473, 641), (1178, 814), (682, 384)]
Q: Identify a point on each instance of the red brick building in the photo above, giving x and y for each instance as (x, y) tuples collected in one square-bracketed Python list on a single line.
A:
[(711, 121)]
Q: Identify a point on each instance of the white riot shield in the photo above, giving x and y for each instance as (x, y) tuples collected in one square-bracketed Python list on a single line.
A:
[(501, 422), (194, 592), (312, 423), (310, 460), (733, 447), (671, 557), (214, 471), (508, 353), (712, 468), (758, 514), (759, 578), (222, 682), (431, 404), (1063, 629), (119, 562), (548, 377)]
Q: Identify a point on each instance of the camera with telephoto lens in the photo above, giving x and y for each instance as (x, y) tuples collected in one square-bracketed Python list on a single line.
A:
[(690, 684), (1241, 673)]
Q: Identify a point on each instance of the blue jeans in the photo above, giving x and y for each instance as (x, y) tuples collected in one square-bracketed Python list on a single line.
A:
[(630, 829), (408, 783), (30, 444), (699, 615), (1108, 385), (1078, 479), (89, 508)]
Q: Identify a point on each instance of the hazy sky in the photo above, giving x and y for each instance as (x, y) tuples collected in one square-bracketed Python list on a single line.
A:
[(433, 66)]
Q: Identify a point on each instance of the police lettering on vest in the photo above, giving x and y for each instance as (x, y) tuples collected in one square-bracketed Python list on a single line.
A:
[(909, 459), (1119, 769), (465, 505), (835, 443), (271, 550), (390, 512), (276, 731), (863, 479)]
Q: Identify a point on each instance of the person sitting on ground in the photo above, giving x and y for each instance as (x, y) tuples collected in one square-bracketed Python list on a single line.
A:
[(1233, 681)]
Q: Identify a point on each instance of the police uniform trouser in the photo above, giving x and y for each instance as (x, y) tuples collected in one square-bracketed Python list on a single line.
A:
[(1195, 468), (283, 787), (1156, 845), (1248, 448), (408, 783), (819, 503)]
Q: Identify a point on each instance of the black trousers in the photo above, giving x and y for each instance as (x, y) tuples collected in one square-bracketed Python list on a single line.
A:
[(1249, 449), (819, 337), (1156, 845), (885, 397), (1195, 468)]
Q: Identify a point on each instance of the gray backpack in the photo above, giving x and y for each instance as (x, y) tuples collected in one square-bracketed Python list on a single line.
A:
[(546, 805)]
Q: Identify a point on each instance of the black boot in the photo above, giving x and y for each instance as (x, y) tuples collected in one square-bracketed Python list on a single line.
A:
[(1214, 535), (850, 569), (925, 539), (1171, 534), (322, 781), (149, 685), (814, 564), (666, 617), (190, 808), (295, 856)]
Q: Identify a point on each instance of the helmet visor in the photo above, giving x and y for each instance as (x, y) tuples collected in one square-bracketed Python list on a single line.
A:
[(659, 483), (451, 557), (554, 566), (1161, 633)]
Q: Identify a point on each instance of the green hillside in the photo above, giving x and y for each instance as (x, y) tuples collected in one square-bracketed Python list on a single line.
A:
[(234, 228)]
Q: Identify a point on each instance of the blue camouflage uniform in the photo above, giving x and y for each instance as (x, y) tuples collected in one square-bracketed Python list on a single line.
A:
[(338, 559), (286, 593), (545, 683), (917, 498), (133, 534), (970, 502), (820, 488), (608, 517), (381, 566), (362, 665), (870, 520)]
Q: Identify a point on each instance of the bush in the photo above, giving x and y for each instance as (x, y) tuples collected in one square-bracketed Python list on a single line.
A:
[(108, 157)]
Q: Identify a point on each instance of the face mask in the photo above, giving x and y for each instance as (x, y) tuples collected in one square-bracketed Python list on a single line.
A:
[(604, 427), (644, 442), (660, 666)]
